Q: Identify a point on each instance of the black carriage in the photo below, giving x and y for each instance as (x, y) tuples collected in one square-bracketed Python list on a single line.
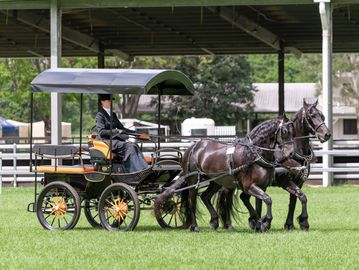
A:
[(110, 198)]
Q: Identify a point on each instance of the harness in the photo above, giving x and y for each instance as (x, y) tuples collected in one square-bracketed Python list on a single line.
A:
[(260, 160)]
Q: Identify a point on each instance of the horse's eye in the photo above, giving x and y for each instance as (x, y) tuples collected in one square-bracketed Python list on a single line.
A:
[(284, 132)]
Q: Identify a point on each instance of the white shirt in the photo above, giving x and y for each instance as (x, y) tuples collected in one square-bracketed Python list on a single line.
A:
[(108, 111)]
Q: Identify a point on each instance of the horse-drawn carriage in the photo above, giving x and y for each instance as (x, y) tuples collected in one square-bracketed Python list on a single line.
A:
[(113, 199), (109, 197)]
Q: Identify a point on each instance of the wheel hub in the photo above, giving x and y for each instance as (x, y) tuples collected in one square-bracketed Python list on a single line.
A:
[(58, 207), (172, 207), (119, 209)]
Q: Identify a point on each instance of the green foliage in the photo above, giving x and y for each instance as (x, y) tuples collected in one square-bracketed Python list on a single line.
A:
[(15, 78), (220, 82), (307, 68), (331, 243)]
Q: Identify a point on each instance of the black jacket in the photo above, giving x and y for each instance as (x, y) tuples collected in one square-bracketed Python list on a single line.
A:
[(103, 125)]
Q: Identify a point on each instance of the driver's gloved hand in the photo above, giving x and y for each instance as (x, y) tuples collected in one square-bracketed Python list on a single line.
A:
[(121, 134)]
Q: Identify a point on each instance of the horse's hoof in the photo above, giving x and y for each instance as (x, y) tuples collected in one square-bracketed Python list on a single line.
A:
[(252, 223), (289, 226), (303, 223), (228, 227), (214, 224), (195, 229), (265, 223), (259, 227)]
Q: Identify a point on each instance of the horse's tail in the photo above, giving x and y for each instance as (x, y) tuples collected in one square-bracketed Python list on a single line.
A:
[(185, 208), (165, 195), (227, 205)]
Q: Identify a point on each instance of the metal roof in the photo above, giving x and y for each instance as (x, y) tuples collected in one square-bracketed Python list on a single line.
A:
[(139, 27), (266, 96), (113, 81)]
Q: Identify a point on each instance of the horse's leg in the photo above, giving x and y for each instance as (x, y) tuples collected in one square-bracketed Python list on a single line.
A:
[(296, 192), (289, 225), (253, 217), (303, 217), (206, 198), (259, 207), (255, 191), (229, 196), (192, 202)]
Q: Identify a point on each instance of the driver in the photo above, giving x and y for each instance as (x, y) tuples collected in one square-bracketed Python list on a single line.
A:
[(130, 154)]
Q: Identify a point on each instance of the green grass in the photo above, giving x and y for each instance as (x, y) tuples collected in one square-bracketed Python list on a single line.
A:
[(331, 243)]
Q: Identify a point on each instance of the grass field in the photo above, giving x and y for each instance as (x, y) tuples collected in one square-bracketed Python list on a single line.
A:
[(331, 243)]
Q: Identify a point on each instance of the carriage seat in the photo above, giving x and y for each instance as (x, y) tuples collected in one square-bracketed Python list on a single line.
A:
[(55, 150), (71, 169), (100, 151)]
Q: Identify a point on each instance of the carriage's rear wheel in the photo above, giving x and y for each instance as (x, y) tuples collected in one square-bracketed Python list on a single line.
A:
[(170, 215), (58, 206), (91, 212), (119, 208)]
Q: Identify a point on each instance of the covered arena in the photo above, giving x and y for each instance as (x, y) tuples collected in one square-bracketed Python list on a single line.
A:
[(56, 28)]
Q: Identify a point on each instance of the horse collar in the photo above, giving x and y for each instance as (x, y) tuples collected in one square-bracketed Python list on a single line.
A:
[(300, 157)]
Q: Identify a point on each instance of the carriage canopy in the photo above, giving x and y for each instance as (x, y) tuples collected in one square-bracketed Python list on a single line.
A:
[(113, 81)]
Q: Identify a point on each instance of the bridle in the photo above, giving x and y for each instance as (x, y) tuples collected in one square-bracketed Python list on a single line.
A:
[(254, 148), (305, 116), (272, 147), (279, 129)]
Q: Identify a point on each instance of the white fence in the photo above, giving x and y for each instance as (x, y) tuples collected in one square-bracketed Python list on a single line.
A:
[(16, 173)]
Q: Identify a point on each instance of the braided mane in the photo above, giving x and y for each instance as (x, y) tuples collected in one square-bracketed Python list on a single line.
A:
[(259, 135)]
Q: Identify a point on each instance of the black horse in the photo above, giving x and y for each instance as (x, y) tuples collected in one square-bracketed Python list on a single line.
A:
[(293, 173), (247, 165)]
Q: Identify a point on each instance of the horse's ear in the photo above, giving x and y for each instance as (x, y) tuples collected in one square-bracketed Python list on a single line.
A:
[(305, 104), (315, 103), (285, 117)]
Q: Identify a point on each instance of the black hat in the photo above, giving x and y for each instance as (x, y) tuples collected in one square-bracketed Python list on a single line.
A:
[(105, 97)]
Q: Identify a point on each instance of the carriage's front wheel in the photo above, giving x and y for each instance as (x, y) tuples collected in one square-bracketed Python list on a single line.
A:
[(119, 208), (170, 215), (58, 206)]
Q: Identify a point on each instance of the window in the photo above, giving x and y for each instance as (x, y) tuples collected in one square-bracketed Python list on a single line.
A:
[(199, 132), (350, 126)]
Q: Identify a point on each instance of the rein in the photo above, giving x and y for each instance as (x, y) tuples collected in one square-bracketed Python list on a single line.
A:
[(303, 137)]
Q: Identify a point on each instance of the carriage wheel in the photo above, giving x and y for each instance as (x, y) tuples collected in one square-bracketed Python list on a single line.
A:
[(170, 215), (58, 206), (91, 212), (119, 208)]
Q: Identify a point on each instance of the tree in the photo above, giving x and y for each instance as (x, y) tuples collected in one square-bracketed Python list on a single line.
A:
[(221, 81), (265, 68), (15, 78), (346, 79)]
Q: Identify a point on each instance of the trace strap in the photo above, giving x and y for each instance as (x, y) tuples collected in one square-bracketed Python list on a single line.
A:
[(207, 182)]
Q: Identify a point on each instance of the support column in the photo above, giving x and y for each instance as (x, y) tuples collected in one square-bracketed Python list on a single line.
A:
[(280, 82), (325, 10), (100, 64), (101, 59), (55, 43)]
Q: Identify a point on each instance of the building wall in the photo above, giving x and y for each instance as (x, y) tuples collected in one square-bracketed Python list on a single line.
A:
[(338, 130)]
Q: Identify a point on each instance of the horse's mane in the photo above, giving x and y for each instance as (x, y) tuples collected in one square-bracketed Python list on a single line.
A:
[(260, 133), (298, 115)]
